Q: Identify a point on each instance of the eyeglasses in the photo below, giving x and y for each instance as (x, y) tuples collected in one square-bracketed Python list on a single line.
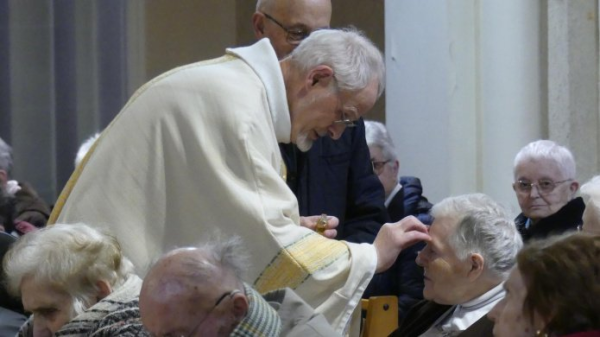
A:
[(544, 186), (346, 121), (293, 35), (378, 165), (195, 329), (219, 300), (349, 123)]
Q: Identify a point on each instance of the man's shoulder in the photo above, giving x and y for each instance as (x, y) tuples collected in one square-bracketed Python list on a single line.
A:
[(420, 318)]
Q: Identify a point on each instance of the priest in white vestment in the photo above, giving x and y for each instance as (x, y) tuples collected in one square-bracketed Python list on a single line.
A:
[(196, 149)]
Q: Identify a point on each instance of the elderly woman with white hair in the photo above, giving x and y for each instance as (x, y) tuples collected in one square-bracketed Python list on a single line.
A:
[(590, 192), (75, 282), (545, 185)]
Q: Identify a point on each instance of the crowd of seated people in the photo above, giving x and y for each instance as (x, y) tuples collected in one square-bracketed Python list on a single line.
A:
[(74, 280)]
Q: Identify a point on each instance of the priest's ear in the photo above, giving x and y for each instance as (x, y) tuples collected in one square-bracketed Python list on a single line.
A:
[(321, 75)]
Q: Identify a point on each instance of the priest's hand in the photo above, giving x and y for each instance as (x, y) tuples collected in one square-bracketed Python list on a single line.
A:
[(394, 237), (322, 224)]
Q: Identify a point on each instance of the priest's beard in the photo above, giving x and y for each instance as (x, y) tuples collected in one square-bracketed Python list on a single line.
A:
[(303, 142)]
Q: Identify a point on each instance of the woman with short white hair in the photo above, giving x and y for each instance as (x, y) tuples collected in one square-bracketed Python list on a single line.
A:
[(75, 282), (546, 186)]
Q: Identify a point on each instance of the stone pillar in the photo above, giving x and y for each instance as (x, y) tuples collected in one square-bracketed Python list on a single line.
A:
[(573, 113), (464, 91)]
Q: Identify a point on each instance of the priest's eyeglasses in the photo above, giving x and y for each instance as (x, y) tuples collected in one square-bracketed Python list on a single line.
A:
[(544, 186), (293, 36)]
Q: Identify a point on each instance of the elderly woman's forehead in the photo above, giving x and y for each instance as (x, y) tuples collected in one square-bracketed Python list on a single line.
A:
[(540, 168)]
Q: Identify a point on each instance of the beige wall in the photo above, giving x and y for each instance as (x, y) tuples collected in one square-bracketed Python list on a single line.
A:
[(185, 31)]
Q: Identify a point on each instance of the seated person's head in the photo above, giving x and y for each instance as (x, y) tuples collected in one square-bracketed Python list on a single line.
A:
[(61, 270), (383, 155), (473, 248), (553, 290), (196, 291), (544, 174), (590, 192)]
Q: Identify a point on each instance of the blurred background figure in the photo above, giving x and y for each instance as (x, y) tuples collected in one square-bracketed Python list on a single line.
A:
[(75, 282), (403, 197), (590, 192), (198, 291), (21, 209), (545, 186), (553, 290), (473, 248)]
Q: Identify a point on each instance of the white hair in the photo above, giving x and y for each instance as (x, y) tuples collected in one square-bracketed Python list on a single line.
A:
[(377, 134), (6, 160), (590, 192), (549, 150), (355, 60), (85, 147), (216, 253), (483, 227), (262, 4), (72, 258)]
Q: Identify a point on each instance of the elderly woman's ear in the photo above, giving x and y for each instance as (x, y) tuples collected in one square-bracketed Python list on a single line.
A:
[(104, 289)]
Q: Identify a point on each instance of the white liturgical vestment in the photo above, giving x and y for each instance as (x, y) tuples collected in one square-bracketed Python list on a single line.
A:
[(196, 149)]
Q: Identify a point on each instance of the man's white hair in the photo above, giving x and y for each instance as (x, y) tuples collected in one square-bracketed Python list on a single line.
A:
[(72, 258), (377, 134), (355, 60), (85, 148), (6, 160), (483, 227), (590, 192), (262, 5), (549, 150)]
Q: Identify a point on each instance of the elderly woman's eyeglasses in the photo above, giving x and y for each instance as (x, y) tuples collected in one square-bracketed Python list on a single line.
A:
[(544, 186), (293, 35)]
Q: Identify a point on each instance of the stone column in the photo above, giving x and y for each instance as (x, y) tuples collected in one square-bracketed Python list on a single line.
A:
[(573, 113)]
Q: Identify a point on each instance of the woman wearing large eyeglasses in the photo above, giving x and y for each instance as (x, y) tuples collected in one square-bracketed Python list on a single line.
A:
[(546, 188), (553, 290)]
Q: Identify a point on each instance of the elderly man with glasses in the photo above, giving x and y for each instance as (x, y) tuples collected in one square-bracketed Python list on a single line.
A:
[(545, 186), (200, 291)]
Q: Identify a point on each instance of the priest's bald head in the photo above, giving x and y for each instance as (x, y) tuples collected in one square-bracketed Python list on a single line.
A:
[(331, 79), (287, 22)]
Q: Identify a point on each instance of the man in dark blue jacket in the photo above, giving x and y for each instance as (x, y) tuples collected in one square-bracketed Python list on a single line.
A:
[(334, 177), (404, 197)]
